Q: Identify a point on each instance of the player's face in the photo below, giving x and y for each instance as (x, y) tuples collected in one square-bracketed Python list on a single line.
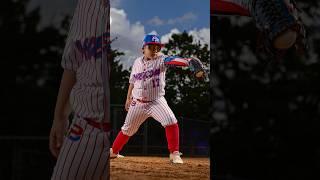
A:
[(151, 50)]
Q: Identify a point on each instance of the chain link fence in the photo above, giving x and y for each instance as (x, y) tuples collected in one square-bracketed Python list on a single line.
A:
[(28, 157), (151, 140)]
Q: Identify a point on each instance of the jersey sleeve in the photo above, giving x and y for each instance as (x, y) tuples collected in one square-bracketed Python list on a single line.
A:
[(227, 7), (176, 61), (70, 58)]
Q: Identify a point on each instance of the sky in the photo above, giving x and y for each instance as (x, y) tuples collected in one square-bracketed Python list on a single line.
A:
[(132, 19)]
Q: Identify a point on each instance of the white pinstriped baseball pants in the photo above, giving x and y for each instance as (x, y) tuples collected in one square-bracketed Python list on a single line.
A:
[(138, 112), (84, 154)]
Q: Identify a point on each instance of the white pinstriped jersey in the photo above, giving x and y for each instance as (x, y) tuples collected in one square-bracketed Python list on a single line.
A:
[(148, 76), (88, 34)]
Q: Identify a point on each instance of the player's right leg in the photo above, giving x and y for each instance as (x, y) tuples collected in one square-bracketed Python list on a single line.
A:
[(162, 113), (135, 117)]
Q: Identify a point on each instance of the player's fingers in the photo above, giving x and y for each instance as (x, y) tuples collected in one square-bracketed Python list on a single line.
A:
[(52, 145), (127, 106), (200, 74), (55, 142), (51, 139), (59, 140)]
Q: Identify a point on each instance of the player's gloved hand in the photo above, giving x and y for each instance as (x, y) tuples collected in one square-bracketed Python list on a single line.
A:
[(280, 27), (57, 133), (127, 105), (197, 68)]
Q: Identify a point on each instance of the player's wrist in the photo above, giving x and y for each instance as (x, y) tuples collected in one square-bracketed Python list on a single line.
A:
[(60, 118)]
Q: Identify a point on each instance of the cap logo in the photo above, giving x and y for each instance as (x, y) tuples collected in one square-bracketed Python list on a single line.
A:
[(155, 39)]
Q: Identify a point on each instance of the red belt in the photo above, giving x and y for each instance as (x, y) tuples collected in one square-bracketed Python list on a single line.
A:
[(142, 101), (93, 122)]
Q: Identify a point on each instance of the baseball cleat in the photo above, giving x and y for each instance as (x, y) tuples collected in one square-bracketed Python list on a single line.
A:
[(175, 157), (114, 155)]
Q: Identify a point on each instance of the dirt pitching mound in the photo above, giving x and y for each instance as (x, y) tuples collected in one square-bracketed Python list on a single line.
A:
[(158, 168)]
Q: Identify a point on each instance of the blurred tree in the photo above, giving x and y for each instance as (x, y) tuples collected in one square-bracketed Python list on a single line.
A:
[(36, 54), (119, 79)]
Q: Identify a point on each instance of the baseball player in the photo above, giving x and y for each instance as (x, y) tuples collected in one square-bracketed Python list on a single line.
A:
[(277, 20), (82, 151), (146, 92)]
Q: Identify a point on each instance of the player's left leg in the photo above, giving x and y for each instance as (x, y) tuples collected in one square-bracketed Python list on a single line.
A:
[(135, 117), (162, 113)]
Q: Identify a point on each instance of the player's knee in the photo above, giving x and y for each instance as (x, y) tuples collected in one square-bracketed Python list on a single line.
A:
[(129, 131), (285, 40), (170, 122)]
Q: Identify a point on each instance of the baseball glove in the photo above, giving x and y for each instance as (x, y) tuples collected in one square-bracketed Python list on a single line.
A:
[(279, 25), (197, 69)]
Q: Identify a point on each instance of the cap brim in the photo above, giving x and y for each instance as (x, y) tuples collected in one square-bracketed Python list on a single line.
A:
[(155, 44)]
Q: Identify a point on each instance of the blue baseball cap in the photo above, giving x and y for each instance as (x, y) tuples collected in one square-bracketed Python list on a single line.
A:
[(151, 39)]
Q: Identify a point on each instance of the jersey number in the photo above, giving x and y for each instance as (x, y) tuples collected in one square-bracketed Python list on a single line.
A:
[(155, 82)]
